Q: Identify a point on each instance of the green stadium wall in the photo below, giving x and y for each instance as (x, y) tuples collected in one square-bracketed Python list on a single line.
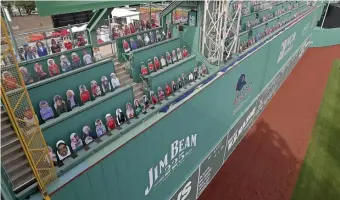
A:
[(178, 143)]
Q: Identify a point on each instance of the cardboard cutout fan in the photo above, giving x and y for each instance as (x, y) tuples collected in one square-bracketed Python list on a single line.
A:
[(59, 105), (168, 89), (110, 122), (185, 52), (150, 66), (144, 70), (84, 94), (146, 102), (120, 117), (168, 58), (146, 39), (138, 107), (76, 143), (191, 77), (156, 63), (133, 44), (71, 101), (174, 57), (184, 79), (179, 54), (63, 151), (41, 75), (195, 73), (27, 77), (87, 58), (46, 111), (88, 135), (163, 62), (9, 81), (100, 128), (158, 36), (161, 95), (126, 46), (179, 83), (65, 64), (106, 86), (95, 89), (174, 86), (130, 113), (76, 62), (153, 98), (53, 68), (140, 42), (114, 80)]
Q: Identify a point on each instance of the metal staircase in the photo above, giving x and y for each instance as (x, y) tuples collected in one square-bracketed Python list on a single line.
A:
[(172, 5), (13, 158)]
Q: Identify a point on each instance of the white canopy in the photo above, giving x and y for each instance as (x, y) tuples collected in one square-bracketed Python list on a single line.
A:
[(123, 12), (78, 29)]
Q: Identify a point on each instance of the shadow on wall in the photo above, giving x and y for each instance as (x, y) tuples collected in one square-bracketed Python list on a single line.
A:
[(257, 169)]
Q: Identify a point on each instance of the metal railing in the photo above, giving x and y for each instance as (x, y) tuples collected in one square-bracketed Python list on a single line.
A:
[(19, 108)]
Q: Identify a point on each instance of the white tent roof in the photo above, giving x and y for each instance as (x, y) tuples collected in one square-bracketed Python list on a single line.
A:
[(122, 12), (78, 29)]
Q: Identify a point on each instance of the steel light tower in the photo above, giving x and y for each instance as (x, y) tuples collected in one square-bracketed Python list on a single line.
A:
[(220, 30)]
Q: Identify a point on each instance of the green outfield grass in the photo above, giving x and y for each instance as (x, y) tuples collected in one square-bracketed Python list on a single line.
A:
[(319, 177)]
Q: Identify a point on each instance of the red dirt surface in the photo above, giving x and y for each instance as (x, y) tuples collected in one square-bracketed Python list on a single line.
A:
[(267, 162)]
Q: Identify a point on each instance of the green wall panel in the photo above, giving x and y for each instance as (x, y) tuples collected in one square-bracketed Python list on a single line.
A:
[(146, 53), (76, 122), (82, 188), (46, 89), (111, 181), (96, 177), (119, 41), (56, 57), (325, 37), (171, 74), (209, 115)]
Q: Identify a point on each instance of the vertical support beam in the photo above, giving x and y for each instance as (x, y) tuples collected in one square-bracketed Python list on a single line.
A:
[(225, 23), (205, 7), (237, 35)]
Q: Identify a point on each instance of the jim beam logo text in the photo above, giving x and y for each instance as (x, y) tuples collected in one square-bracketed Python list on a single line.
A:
[(179, 151)]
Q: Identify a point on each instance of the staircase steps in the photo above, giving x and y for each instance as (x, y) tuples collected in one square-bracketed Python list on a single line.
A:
[(172, 5), (13, 158), (125, 79)]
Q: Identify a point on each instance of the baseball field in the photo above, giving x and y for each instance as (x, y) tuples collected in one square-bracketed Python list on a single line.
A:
[(292, 151)]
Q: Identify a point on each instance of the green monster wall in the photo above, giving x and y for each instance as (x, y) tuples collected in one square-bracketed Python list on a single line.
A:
[(171, 150)]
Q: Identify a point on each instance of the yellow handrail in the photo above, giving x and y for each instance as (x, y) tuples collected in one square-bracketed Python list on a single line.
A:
[(19, 108)]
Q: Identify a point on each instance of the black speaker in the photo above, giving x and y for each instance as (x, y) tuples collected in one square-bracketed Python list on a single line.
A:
[(180, 27)]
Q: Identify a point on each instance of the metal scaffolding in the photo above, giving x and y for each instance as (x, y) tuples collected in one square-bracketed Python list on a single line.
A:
[(220, 30)]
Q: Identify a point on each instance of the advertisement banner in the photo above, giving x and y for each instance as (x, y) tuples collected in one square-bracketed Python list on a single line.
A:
[(188, 190), (288, 41), (210, 166), (239, 130)]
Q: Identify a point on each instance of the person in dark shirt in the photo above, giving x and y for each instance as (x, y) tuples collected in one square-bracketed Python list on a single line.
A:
[(55, 48), (41, 49)]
